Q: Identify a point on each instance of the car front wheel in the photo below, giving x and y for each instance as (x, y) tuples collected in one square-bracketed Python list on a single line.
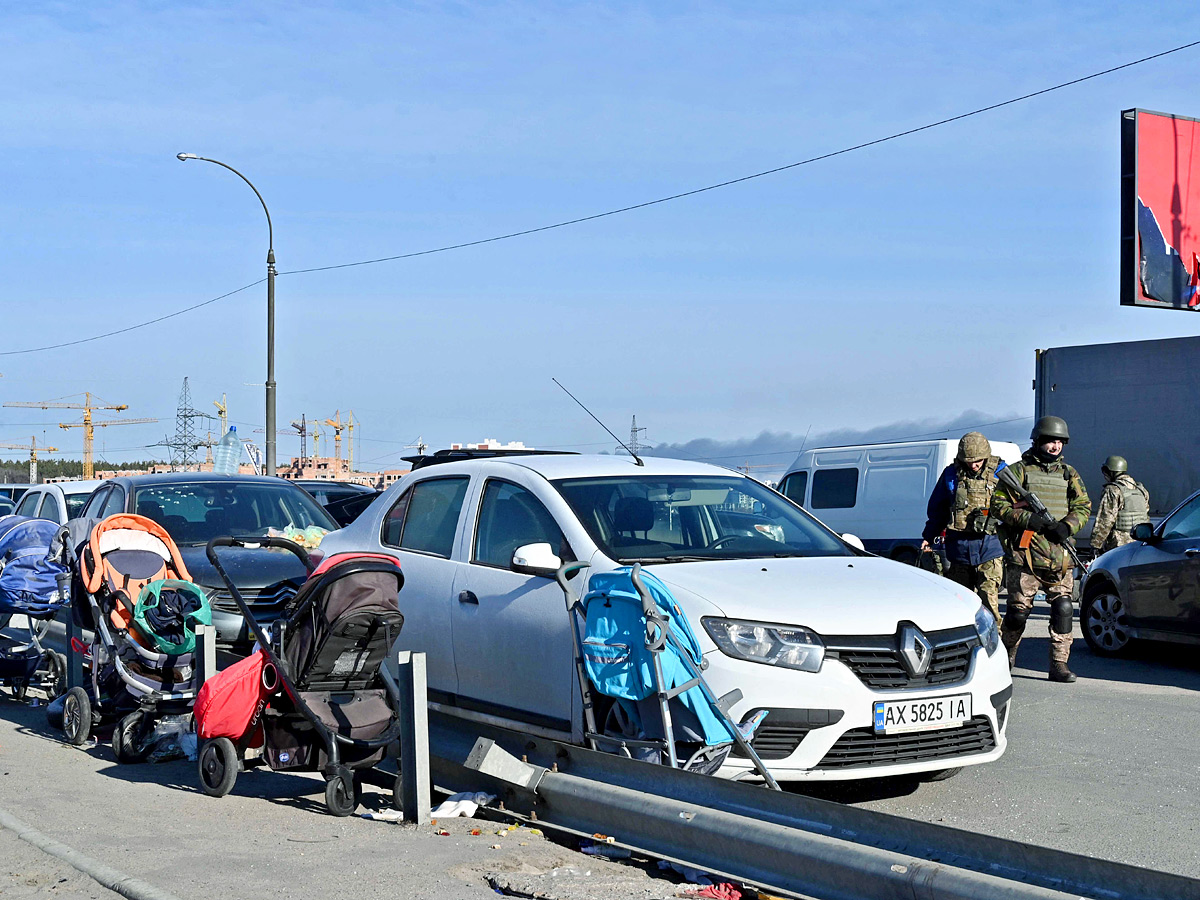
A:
[(1105, 626)]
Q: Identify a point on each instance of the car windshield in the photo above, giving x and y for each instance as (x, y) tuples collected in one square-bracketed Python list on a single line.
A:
[(681, 518), (194, 512), (75, 504), (1184, 522)]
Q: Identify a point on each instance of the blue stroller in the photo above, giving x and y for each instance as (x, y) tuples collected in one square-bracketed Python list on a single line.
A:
[(635, 648), (29, 587)]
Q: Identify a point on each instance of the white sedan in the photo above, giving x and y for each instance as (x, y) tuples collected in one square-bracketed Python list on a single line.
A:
[(867, 667)]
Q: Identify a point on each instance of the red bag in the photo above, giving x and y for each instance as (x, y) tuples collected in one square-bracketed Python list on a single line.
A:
[(230, 704)]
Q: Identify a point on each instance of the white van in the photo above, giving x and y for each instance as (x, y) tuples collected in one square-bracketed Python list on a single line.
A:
[(877, 491)]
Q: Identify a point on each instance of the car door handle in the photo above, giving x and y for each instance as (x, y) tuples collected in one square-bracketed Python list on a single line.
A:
[(468, 597), (1192, 551)]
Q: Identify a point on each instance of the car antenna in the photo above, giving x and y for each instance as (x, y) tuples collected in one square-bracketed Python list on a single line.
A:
[(637, 459)]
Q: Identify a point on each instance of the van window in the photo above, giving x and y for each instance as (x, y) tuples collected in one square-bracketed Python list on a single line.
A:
[(794, 485), (835, 488), (894, 486)]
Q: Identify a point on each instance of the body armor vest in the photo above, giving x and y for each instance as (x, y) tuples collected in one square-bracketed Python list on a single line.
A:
[(1049, 487), (972, 497), (1135, 508)]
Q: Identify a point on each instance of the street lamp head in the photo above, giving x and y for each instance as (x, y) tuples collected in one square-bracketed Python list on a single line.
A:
[(185, 156)]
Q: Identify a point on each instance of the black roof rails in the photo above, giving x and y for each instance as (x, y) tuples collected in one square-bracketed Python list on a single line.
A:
[(445, 456)]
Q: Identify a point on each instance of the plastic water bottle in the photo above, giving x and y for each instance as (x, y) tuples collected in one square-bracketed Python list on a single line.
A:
[(228, 453)]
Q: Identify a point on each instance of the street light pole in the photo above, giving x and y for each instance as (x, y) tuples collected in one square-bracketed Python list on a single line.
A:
[(269, 467)]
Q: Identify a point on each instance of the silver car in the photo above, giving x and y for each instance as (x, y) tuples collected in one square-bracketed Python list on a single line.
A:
[(1149, 589)]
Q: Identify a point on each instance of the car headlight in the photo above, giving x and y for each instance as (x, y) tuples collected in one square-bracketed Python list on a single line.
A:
[(985, 627), (788, 646)]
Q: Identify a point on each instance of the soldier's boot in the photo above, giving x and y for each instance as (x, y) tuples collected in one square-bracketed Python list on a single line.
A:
[(1012, 653), (1060, 640), (1012, 627), (1060, 673)]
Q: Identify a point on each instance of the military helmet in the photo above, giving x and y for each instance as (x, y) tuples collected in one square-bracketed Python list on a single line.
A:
[(973, 446), (1049, 428), (1116, 465)]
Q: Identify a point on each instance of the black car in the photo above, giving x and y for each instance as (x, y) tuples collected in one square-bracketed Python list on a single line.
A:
[(196, 506), (343, 500), (1148, 589)]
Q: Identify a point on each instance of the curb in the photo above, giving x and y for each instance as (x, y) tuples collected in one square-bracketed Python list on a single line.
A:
[(107, 876)]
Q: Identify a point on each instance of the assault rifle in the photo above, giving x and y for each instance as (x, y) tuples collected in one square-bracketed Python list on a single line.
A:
[(1022, 493)]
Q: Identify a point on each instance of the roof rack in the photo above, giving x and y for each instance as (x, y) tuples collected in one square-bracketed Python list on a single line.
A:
[(445, 456)]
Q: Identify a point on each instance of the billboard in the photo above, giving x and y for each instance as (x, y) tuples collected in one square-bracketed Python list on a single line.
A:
[(1160, 210)]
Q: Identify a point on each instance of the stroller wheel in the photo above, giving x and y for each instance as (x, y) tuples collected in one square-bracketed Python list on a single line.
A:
[(218, 767), (398, 792), (19, 688), (55, 678), (77, 716), (127, 739), (340, 795)]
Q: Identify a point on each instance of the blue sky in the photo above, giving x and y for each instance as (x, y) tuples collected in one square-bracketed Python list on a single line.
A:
[(905, 283)]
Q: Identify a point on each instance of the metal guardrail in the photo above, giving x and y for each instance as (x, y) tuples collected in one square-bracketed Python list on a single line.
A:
[(785, 843)]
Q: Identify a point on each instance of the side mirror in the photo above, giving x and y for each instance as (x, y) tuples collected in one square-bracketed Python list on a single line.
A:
[(853, 540), (1143, 531), (536, 559)]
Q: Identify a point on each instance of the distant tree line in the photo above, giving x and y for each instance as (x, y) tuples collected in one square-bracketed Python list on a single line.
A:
[(17, 470)]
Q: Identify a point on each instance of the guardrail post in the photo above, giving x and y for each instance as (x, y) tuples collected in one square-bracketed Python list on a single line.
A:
[(206, 652), (414, 738)]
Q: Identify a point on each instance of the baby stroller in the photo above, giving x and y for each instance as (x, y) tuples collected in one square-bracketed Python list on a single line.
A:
[(135, 594), (29, 586), (314, 697), (635, 648)]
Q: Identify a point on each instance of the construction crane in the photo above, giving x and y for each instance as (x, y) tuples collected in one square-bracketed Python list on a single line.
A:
[(302, 430), (420, 446), (316, 436), (350, 428), (337, 425), (223, 411), (33, 448), (87, 424)]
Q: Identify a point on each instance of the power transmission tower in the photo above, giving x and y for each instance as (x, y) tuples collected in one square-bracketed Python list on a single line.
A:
[(183, 447), (634, 445)]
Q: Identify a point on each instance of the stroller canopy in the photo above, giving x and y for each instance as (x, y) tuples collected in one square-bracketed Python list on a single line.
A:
[(616, 654), (125, 553), (28, 575)]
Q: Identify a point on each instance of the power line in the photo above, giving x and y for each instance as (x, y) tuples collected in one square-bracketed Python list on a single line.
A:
[(178, 312), (635, 206), (732, 181)]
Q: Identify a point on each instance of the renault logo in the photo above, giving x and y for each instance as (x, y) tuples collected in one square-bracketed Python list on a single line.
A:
[(915, 650)]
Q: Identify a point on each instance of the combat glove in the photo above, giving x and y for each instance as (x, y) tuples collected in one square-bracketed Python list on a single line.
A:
[(1059, 531), (1040, 523)]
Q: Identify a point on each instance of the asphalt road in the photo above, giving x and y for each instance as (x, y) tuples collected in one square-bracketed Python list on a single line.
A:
[(1107, 766)]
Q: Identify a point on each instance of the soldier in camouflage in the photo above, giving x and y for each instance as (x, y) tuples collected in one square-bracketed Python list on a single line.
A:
[(959, 505), (1037, 559), (1123, 504)]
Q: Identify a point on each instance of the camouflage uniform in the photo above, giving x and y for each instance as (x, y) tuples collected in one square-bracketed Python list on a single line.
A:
[(984, 579), (959, 506), (1042, 564), (1123, 504)]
